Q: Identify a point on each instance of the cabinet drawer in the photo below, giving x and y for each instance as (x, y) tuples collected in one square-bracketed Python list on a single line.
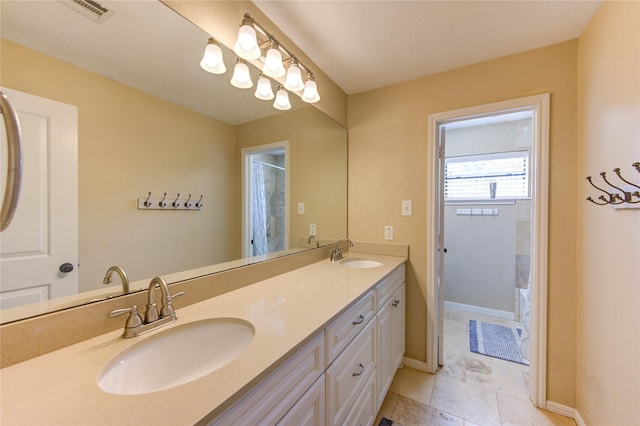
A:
[(269, 401), (346, 326), (364, 410), (348, 375), (389, 284)]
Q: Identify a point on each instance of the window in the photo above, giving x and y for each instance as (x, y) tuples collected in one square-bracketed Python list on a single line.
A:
[(498, 176)]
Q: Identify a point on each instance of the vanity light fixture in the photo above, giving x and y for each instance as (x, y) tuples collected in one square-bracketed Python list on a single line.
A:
[(252, 38), (247, 45), (273, 66), (282, 100), (263, 89), (241, 77), (293, 80), (212, 60), (310, 94)]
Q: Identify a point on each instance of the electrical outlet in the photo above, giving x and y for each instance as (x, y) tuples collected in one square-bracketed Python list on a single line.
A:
[(301, 208), (388, 232), (407, 208), (312, 229)]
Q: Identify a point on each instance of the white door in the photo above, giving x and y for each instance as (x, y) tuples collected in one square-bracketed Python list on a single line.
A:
[(44, 233), (441, 250)]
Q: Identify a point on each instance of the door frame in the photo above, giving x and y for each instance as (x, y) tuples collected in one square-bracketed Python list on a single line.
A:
[(540, 106), (245, 156)]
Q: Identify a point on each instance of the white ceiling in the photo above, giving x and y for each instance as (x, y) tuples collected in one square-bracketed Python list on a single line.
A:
[(363, 45)]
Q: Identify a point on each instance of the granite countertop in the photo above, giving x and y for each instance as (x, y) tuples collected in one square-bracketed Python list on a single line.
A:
[(61, 387)]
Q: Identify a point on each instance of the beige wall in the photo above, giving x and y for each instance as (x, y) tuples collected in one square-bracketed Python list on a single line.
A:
[(317, 169), (131, 143), (608, 380), (388, 158)]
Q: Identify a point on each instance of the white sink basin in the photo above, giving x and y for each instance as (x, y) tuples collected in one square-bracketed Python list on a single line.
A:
[(360, 263), (176, 356)]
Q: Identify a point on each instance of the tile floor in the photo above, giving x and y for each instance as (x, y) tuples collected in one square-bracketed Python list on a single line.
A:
[(470, 389)]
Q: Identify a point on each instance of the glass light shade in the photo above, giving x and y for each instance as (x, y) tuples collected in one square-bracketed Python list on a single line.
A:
[(247, 45), (241, 77), (212, 60), (310, 94), (282, 100), (273, 66), (293, 80), (263, 89)]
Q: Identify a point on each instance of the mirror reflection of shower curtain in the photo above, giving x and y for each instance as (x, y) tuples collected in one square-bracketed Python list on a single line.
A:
[(259, 209)]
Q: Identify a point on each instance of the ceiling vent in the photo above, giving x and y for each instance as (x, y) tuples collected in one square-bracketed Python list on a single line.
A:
[(89, 9)]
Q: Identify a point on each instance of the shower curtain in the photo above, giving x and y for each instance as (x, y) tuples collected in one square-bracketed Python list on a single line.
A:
[(259, 208)]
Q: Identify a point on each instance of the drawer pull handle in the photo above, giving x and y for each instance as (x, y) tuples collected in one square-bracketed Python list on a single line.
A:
[(360, 320), (360, 371), (396, 303)]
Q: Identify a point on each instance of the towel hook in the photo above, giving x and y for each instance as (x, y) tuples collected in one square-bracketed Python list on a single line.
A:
[(162, 203), (611, 196), (187, 204), (175, 202), (199, 204), (147, 203)]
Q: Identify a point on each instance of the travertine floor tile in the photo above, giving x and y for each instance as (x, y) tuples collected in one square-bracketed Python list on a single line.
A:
[(517, 412), (386, 410), (468, 401), (413, 384), (412, 413)]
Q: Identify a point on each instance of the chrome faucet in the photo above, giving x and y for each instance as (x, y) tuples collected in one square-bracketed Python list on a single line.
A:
[(123, 277), (336, 253), (313, 237), (135, 326)]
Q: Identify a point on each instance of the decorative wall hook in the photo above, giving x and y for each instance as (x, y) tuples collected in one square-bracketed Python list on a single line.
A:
[(187, 204), (199, 203), (162, 203), (623, 195), (146, 202), (175, 202)]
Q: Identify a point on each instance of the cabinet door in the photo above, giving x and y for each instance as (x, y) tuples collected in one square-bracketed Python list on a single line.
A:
[(309, 410), (398, 311), (347, 376), (385, 352)]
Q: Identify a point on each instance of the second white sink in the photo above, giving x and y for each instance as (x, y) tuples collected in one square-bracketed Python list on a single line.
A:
[(360, 263), (176, 356)]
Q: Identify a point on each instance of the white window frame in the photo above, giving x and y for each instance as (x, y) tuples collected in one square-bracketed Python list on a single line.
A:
[(488, 157)]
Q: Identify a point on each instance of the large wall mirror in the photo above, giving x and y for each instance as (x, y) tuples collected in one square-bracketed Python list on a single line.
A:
[(150, 120)]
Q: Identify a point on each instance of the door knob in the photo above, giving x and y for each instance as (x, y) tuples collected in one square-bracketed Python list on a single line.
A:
[(66, 268)]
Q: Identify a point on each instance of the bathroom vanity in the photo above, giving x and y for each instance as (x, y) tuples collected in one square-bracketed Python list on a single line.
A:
[(327, 340)]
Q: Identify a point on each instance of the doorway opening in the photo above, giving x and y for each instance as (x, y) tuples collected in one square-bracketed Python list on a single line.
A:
[(488, 200), (265, 204)]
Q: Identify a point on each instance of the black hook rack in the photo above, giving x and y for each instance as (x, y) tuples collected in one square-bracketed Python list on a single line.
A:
[(624, 194)]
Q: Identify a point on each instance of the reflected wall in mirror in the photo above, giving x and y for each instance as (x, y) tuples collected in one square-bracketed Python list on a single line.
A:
[(149, 119)]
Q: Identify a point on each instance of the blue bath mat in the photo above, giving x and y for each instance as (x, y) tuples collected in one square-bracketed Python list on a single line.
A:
[(495, 340)]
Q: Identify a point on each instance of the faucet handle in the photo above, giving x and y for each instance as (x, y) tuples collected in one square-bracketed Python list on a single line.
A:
[(134, 320), (167, 309)]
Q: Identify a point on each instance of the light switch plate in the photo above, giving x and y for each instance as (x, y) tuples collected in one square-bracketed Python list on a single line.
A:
[(301, 208), (388, 232), (407, 208)]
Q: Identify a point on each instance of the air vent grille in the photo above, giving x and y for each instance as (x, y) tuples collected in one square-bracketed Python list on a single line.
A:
[(89, 9)]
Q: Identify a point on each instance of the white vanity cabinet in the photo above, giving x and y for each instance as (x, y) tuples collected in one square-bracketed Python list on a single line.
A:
[(341, 376), (269, 401)]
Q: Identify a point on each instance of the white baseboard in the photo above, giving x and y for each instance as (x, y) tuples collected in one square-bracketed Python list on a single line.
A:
[(480, 310), (415, 364), (563, 410)]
